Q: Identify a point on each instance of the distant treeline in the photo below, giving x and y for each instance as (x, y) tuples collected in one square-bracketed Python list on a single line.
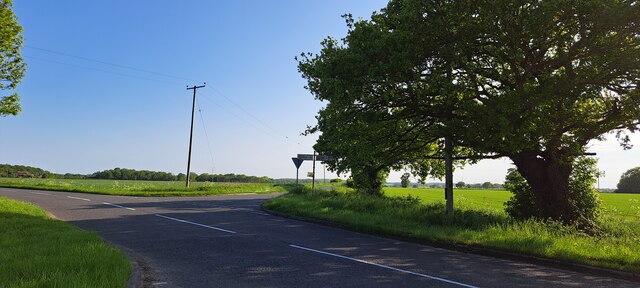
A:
[(131, 174), (19, 171)]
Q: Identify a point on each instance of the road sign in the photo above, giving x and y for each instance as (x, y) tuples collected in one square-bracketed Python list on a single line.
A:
[(309, 157), (309, 174), (305, 157), (297, 162), (323, 158)]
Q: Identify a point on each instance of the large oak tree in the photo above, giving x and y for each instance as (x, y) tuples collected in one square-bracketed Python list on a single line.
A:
[(535, 81)]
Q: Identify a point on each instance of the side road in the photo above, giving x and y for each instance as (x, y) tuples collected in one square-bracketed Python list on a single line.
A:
[(227, 241)]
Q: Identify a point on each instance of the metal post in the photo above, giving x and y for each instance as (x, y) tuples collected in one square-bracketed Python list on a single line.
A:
[(313, 176), (297, 170), (448, 190), (193, 111)]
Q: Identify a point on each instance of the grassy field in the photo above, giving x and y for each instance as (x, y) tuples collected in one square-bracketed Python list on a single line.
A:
[(138, 188), (479, 221), (37, 251), (625, 205)]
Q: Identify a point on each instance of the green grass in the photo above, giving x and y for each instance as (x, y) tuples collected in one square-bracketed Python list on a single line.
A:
[(138, 188), (479, 221), (37, 251), (626, 205)]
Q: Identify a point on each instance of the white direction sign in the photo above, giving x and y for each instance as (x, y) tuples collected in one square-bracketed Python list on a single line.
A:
[(309, 157)]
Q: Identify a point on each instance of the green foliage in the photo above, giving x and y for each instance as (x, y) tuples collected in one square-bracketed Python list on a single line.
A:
[(582, 196), (349, 182), (131, 174), (11, 62), (461, 184), (335, 180), (42, 252), (419, 71), (368, 180), (16, 171), (629, 181), (404, 180), (522, 204), (487, 185)]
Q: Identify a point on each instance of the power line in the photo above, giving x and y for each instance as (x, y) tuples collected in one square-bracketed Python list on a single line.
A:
[(206, 136), (107, 63), (247, 112), (99, 70), (266, 132), (273, 132)]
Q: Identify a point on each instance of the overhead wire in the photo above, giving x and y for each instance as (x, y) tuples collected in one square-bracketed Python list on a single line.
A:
[(247, 112), (274, 133), (241, 119), (206, 136), (98, 70), (106, 63)]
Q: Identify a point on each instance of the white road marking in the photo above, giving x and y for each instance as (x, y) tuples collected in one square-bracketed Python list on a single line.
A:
[(384, 266), (197, 224), (119, 206), (158, 283), (78, 198), (39, 193)]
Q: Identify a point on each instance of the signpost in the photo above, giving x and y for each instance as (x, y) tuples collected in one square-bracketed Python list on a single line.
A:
[(311, 157)]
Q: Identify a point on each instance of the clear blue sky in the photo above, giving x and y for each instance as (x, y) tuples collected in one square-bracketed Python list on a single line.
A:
[(82, 116)]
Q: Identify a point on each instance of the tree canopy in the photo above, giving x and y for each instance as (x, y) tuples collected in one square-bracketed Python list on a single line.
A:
[(535, 81), (12, 66), (629, 181)]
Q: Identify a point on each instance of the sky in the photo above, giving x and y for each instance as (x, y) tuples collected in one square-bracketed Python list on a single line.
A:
[(106, 87)]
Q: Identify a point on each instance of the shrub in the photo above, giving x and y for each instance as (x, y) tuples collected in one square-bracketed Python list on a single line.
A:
[(368, 180), (349, 182), (582, 195)]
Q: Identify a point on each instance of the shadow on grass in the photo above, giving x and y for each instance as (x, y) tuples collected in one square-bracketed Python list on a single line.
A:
[(405, 209)]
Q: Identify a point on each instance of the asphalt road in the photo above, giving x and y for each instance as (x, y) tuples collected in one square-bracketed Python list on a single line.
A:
[(227, 241)]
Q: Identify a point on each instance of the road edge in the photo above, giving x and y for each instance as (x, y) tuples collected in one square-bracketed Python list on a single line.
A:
[(575, 267)]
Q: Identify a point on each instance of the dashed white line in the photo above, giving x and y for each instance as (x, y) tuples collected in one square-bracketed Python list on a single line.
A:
[(119, 206), (384, 266), (158, 283), (197, 224), (40, 193), (78, 198)]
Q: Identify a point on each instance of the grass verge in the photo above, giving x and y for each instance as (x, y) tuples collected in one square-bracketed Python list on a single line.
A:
[(37, 251), (139, 188), (472, 225)]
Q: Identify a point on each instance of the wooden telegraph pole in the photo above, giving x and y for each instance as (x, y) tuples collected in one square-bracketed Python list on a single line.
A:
[(448, 162), (193, 111)]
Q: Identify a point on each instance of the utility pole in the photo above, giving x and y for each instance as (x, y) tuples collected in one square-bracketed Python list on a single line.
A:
[(448, 160), (193, 112)]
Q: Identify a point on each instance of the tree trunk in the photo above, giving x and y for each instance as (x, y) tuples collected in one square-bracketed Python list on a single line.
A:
[(549, 181)]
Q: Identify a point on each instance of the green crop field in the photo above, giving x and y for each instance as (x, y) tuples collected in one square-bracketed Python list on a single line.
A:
[(139, 188), (37, 251), (479, 220), (627, 205)]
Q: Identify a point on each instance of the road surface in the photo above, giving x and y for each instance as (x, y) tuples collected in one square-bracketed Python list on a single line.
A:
[(227, 241)]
